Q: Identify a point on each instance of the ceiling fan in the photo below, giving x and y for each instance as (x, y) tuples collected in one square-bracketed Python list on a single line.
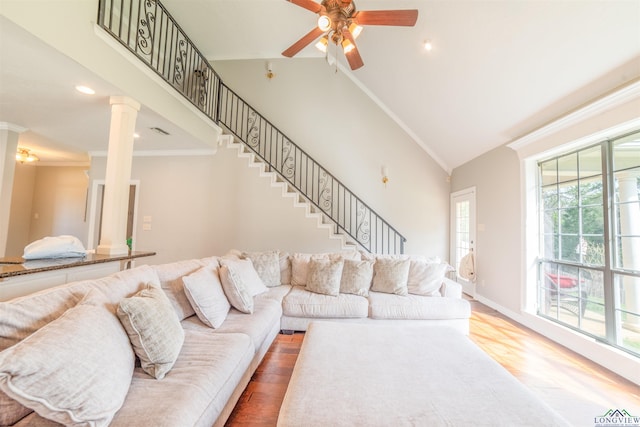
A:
[(340, 23)]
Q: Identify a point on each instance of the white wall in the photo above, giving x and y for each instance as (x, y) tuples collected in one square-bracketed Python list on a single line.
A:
[(46, 201), (330, 118), (496, 176), (24, 181), (207, 205)]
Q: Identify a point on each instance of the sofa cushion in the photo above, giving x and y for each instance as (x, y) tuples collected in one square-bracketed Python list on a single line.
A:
[(267, 265), (170, 276), (391, 275), (416, 307), (324, 276), (266, 315), (210, 366), (204, 292), (153, 328), (276, 294), (11, 411), (299, 302), (75, 370), (356, 277), (425, 278)]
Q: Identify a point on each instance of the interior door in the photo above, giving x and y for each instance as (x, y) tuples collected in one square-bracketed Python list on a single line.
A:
[(463, 232)]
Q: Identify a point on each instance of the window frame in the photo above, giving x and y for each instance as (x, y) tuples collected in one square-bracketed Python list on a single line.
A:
[(609, 269)]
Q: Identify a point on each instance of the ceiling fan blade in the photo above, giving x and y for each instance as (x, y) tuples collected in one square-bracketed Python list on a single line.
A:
[(353, 56), (303, 42), (404, 18), (308, 4)]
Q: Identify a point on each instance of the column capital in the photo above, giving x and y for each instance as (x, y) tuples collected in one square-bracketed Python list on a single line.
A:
[(124, 100), (12, 127)]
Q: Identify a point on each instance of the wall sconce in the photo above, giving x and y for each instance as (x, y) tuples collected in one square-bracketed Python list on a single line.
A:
[(270, 74), (385, 175)]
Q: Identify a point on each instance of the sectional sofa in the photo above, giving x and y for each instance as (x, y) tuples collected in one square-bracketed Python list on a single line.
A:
[(176, 344)]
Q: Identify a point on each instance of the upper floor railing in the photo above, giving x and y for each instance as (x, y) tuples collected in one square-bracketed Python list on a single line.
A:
[(147, 29)]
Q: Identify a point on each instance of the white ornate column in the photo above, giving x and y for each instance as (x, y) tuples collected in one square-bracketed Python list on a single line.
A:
[(630, 226), (113, 239), (9, 134)]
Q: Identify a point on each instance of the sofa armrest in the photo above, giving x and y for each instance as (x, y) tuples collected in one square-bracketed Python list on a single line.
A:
[(451, 289)]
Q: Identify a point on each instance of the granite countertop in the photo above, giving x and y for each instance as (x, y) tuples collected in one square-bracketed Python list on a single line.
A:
[(17, 266)]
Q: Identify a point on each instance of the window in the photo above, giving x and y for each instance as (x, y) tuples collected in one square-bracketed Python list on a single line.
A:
[(589, 256)]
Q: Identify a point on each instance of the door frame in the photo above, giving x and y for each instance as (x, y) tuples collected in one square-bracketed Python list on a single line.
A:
[(93, 212), (468, 287)]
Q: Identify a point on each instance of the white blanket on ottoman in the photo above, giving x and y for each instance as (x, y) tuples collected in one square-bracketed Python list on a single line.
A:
[(385, 375)]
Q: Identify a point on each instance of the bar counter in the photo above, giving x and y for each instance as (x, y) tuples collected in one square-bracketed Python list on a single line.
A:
[(20, 277)]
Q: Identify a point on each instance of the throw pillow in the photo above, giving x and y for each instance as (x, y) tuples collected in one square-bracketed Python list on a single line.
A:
[(285, 268), (235, 289), (76, 370), (244, 270), (425, 278), (324, 276), (204, 292), (267, 265), (356, 277), (391, 275), (154, 330)]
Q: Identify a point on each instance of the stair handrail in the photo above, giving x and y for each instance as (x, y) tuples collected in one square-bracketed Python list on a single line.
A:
[(149, 31)]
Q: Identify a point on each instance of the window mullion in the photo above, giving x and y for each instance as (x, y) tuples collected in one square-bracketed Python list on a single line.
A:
[(607, 199)]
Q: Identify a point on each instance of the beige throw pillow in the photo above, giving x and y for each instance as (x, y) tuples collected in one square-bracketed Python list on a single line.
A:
[(235, 289), (76, 370), (426, 278), (267, 265), (390, 276), (244, 270), (356, 277), (324, 276), (204, 292), (154, 330)]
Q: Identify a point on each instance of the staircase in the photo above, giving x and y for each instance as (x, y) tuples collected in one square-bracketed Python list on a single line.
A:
[(147, 30), (288, 192)]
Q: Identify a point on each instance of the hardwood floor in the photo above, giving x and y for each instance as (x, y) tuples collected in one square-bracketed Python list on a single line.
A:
[(577, 388)]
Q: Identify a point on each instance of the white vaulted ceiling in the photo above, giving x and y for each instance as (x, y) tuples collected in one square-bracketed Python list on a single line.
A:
[(498, 68)]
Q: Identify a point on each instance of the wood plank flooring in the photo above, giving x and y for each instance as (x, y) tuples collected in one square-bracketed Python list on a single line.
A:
[(575, 387)]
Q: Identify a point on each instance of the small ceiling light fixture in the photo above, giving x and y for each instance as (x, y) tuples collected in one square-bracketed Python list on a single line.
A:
[(136, 135), (324, 23), (322, 44), (23, 155), (85, 89), (428, 46)]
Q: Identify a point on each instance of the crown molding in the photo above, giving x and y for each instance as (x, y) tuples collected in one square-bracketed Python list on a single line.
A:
[(160, 153), (618, 97)]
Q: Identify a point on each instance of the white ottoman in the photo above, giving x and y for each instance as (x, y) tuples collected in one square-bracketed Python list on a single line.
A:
[(385, 375)]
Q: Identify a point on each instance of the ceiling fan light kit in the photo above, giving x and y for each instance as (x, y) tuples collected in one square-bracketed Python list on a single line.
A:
[(340, 22)]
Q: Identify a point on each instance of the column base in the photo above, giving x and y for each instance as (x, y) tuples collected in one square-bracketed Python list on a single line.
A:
[(112, 250)]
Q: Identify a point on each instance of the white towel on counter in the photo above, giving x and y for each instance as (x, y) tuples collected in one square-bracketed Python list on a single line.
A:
[(55, 247)]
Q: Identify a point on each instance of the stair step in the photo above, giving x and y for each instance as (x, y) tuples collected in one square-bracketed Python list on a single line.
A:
[(323, 221)]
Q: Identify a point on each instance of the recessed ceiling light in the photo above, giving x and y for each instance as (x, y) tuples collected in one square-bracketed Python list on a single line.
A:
[(427, 45), (85, 89), (136, 135)]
